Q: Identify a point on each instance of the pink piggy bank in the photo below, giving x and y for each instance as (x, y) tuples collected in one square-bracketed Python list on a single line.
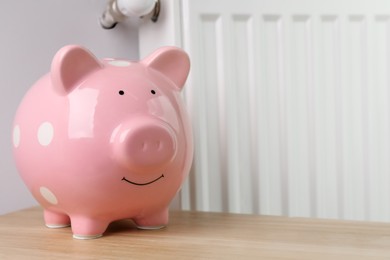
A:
[(99, 141)]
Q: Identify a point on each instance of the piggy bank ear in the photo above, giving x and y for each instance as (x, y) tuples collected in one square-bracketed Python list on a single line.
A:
[(173, 62), (70, 65)]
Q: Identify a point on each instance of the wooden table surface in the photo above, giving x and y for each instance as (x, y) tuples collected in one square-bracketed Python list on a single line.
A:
[(197, 235)]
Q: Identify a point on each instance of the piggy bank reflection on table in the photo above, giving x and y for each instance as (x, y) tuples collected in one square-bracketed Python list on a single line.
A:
[(98, 141)]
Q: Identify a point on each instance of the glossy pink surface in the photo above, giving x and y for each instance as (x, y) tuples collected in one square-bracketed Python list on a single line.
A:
[(98, 141)]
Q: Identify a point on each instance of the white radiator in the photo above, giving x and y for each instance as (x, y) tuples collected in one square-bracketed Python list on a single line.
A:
[(290, 102)]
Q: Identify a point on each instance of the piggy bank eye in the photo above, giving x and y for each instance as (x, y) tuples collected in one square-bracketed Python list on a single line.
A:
[(121, 92), (153, 92)]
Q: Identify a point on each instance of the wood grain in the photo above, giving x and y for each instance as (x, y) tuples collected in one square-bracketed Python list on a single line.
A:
[(199, 235)]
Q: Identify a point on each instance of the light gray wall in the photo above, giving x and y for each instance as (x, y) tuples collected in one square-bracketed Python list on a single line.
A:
[(31, 32)]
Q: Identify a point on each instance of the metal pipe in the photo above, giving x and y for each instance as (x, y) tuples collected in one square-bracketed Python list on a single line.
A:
[(115, 13)]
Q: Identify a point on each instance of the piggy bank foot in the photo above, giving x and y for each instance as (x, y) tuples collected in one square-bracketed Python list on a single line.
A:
[(155, 221), (87, 228), (55, 219), (86, 237)]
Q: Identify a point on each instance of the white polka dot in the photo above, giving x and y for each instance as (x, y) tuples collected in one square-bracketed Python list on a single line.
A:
[(16, 136), (45, 133), (119, 63), (48, 195)]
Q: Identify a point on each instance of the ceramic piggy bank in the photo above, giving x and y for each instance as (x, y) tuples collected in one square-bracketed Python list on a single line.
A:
[(98, 141)]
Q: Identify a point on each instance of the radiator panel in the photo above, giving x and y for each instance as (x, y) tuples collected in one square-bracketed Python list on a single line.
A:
[(290, 107)]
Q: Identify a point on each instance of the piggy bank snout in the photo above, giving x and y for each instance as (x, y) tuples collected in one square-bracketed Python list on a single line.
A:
[(145, 144)]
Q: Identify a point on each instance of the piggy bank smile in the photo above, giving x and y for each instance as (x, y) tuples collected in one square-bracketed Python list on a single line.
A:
[(143, 184)]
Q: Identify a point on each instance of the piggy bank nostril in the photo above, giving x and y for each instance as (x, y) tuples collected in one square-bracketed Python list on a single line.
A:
[(151, 145), (144, 146), (160, 146), (157, 145)]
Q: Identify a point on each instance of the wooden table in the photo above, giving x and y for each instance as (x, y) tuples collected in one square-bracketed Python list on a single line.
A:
[(197, 235)]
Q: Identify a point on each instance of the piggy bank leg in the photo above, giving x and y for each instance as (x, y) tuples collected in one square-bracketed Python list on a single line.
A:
[(55, 219), (155, 221), (88, 228)]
